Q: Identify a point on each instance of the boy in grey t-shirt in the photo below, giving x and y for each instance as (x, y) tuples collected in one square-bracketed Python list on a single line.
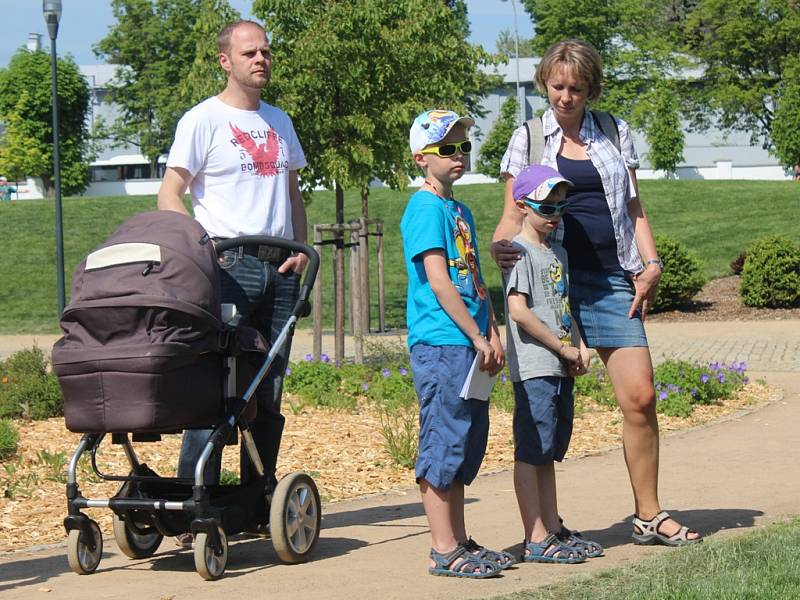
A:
[(544, 351)]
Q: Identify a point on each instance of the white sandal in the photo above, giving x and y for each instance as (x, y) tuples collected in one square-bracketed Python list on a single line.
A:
[(648, 532)]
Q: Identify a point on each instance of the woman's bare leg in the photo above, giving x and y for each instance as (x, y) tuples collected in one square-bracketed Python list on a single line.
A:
[(631, 374)]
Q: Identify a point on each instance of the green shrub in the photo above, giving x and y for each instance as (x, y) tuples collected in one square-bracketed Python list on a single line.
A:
[(312, 380), (502, 396), (392, 389), (9, 439), (27, 389), (680, 385), (683, 275), (399, 431), (771, 273), (596, 385)]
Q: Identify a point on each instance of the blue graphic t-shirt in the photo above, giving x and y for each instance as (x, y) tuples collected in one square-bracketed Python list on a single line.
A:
[(430, 222)]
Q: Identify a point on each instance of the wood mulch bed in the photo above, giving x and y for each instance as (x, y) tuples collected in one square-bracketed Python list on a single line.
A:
[(344, 452)]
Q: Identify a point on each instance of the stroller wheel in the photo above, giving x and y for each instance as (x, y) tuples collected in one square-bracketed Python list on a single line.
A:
[(208, 563), (82, 559), (294, 517), (132, 544)]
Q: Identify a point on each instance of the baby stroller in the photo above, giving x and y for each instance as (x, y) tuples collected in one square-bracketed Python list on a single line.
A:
[(148, 349)]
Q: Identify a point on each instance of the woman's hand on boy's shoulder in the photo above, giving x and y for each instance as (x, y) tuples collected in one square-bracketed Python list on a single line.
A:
[(505, 253)]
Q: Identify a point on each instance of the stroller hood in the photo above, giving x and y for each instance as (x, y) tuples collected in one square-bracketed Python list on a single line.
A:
[(143, 323)]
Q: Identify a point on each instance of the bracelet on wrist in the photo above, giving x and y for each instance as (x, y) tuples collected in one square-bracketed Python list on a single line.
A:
[(655, 261)]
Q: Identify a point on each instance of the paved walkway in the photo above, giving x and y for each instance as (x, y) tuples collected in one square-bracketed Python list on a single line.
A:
[(376, 546), (765, 345)]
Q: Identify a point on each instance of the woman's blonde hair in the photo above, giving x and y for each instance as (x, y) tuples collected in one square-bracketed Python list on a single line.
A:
[(580, 57)]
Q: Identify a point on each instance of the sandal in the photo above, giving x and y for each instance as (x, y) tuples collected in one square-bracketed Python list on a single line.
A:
[(648, 532), (461, 563), (571, 537), (502, 559), (550, 550)]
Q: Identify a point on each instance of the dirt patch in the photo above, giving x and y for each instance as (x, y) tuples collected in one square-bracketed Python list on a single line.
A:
[(344, 452), (719, 301)]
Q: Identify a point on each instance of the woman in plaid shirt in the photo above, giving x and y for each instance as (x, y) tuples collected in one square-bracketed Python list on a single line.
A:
[(614, 266)]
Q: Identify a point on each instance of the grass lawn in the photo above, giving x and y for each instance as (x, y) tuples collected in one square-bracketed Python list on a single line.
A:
[(716, 219), (764, 564)]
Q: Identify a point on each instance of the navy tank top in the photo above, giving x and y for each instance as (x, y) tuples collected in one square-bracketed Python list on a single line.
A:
[(588, 230)]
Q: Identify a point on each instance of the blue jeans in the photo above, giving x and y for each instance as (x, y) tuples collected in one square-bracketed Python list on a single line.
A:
[(265, 299)]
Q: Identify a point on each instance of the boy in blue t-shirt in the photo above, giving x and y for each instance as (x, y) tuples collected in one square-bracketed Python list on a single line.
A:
[(449, 319)]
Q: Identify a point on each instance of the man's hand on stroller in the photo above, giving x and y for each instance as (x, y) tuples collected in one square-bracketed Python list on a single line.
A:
[(296, 262)]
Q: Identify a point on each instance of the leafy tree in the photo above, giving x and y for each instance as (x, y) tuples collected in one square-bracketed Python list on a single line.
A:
[(749, 51), (635, 39), (205, 77), (353, 75), (506, 44), (153, 47), (494, 146), (786, 122), (26, 112)]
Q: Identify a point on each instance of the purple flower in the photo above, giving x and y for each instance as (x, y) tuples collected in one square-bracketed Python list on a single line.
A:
[(714, 366), (704, 378), (503, 377), (662, 396), (309, 358), (743, 364), (658, 386), (403, 371), (365, 386), (673, 388), (745, 380), (693, 392), (386, 372), (288, 371), (721, 377), (325, 358)]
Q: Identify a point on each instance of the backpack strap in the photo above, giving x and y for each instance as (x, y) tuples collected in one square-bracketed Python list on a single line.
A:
[(535, 131), (608, 125)]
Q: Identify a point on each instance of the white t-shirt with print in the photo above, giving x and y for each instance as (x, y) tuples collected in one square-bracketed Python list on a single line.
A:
[(240, 162)]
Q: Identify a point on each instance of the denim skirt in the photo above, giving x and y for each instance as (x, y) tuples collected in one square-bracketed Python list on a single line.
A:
[(600, 301)]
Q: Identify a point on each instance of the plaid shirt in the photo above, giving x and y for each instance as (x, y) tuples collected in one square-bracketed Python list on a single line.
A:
[(611, 164)]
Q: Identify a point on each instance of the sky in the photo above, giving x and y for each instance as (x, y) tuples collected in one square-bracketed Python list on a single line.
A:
[(85, 22)]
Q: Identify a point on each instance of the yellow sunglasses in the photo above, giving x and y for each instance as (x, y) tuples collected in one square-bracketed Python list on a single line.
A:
[(448, 150)]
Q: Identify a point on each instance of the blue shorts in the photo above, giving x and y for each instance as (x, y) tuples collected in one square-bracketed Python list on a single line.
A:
[(600, 301), (452, 431), (543, 411)]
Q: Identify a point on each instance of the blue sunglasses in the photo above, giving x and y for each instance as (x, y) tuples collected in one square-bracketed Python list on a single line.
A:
[(547, 209)]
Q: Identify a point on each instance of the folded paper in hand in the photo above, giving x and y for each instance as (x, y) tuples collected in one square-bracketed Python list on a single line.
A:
[(479, 383)]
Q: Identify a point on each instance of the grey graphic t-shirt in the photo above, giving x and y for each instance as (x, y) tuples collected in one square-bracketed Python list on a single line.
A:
[(541, 275)]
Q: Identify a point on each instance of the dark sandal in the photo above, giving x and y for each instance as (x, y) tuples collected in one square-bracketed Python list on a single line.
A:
[(575, 538), (550, 550), (460, 563), (501, 559), (649, 534)]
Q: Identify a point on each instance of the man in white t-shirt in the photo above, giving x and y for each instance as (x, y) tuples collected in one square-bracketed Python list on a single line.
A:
[(239, 157)]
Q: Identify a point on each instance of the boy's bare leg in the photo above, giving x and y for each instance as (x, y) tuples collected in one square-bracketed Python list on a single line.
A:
[(438, 509), (526, 486), (457, 511), (548, 501)]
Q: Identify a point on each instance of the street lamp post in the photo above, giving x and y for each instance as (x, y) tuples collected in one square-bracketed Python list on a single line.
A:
[(520, 100), (51, 9)]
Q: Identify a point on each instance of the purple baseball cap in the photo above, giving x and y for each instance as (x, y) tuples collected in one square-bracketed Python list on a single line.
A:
[(536, 182)]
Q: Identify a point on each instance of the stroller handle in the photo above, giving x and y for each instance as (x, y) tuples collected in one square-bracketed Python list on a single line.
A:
[(303, 307)]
